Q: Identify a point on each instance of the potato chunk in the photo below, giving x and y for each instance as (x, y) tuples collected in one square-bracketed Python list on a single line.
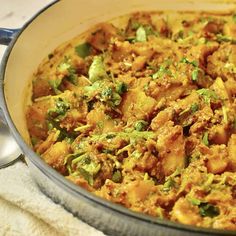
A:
[(232, 152), (137, 105), (101, 37), (217, 159), (171, 147), (186, 213), (55, 156)]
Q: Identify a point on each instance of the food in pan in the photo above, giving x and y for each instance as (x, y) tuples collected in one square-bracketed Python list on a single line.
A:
[(142, 112)]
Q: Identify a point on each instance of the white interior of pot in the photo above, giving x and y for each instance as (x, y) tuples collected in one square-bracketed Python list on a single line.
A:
[(61, 22)]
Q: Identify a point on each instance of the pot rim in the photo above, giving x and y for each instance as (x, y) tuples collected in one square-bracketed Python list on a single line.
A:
[(60, 180)]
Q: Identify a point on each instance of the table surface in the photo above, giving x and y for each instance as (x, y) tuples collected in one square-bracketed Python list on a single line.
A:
[(14, 13)]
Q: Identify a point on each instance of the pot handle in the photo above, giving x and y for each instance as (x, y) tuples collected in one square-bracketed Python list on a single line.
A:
[(7, 158), (6, 35)]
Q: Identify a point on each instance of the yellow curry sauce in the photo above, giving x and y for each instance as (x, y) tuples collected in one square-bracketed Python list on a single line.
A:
[(144, 114)]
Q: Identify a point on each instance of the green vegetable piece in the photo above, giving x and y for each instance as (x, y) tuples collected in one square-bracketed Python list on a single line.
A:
[(195, 73), (116, 99), (116, 177), (73, 78), (224, 38), (131, 39), (195, 201), (110, 136), (68, 71), (234, 18), (207, 95), (163, 69), (141, 35), (194, 107), (83, 50), (121, 88), (107, 93), (85, 174), (186, 61), (54, 84), (206, 209), (140, 125), (61, 107), (97, 70), (106, 151), (111, 97), (170, 183), (161, 72), (50, 125), (64, 66), (150, 31), (84, 165), (34, 140), (205, 139), (92, 168), (135, 25), (180, 34)]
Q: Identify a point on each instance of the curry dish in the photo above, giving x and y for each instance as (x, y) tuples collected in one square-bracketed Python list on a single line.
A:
[(143, 113)]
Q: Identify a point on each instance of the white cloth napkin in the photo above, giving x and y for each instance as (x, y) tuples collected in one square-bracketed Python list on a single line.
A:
[(24, 210)]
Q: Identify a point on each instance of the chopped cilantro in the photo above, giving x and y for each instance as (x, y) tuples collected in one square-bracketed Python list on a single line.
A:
[(170, 183), (140, 125), (194, 107), (115, 100), (107, 93), (116, 177), (73, 78), (195, 73), (62, 106), (141, 35), (207, 95), (80, 163), (54, 84), (111, 97), (186, 61), (97, 70), (60, 109), (224, 38), (195, 201), (131, 39), (163, 70), (64, 66), (180, 34), (86, 175), (83, 50), (135, 25), (234, 18), (121, 88), (106, 151), (149, 30), (205, 139), (207, 209)]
